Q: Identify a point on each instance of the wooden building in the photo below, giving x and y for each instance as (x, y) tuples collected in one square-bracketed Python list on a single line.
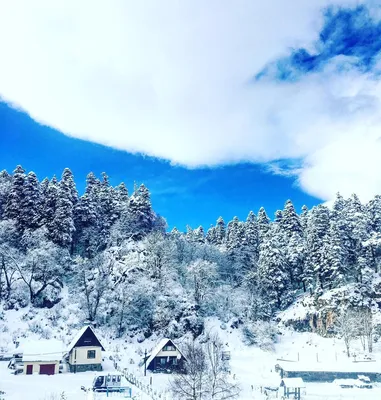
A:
[(165, 357), (85, 351)]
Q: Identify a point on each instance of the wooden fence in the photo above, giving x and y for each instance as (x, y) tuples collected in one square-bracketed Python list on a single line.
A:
[(147, 389)]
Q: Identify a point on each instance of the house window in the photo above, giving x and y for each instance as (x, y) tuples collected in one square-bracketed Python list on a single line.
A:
[(175, 361), (169, 347), (90, 353), (162, 360)]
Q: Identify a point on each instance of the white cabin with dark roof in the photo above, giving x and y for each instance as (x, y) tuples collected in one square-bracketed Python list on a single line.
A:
[(85, 351), (165, 357)]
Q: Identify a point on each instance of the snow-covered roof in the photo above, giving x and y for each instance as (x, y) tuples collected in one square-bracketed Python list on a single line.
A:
[(43, 350), (79, 335), (347, 366), (346, 382), (158, 348), (293, 382)]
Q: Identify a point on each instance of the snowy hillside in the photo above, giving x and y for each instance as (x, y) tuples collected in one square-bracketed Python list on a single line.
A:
[(105, 257)]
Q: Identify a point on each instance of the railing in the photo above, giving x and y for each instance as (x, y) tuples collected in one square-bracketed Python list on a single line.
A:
[(147, 389)]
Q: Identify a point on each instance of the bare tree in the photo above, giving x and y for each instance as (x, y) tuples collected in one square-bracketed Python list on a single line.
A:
[(205, 376), (9, 257), (94, 279), (219, 385), (364, 322), (192, 382), (346, 325)]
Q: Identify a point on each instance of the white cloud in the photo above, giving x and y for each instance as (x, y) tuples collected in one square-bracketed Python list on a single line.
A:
[(171, 79)]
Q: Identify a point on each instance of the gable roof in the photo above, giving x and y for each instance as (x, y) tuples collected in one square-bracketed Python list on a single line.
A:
[(78, 336), (158, 348), (43, 350)]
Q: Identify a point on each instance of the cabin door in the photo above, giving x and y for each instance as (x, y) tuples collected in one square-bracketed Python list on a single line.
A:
[(29, 369)]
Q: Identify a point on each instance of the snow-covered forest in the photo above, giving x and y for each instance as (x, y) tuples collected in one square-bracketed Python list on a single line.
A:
[(112, 253)]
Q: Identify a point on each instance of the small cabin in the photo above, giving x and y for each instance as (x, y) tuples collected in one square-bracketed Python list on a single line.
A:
[(42, 357), (165, 357), (85, 351), (292, 387)]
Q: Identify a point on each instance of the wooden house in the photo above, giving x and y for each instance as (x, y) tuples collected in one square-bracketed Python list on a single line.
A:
[(85, 351), (42, 357), (165, 357)]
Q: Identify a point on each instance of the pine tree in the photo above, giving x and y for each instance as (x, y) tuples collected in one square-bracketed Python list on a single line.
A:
[(5, 184), (49, 204), (220, 231), (251, 234), (272, 273), (198, 235), (141, 212), (107, 210), (30, 216), (211, 235), (333, 271), (63, 223), (278, 216), (290, 222), (235, 235), (373, 209), (355, 228), (304, 217), (16, 195), (338, 207), (263, 224), (317, 228), (296, 258), (121, 199)]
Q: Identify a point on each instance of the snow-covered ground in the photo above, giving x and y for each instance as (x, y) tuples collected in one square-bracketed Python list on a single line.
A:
[(250, 366)]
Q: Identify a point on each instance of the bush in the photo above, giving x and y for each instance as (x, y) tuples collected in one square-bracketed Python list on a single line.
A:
[(260, 333)]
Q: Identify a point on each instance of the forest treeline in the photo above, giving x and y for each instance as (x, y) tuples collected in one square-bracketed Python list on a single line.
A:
[(114, 255)]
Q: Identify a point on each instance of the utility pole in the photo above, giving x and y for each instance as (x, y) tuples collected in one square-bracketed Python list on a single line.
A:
[(145, 362)]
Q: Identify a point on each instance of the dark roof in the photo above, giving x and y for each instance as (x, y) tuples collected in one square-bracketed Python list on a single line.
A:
[(85, 337)]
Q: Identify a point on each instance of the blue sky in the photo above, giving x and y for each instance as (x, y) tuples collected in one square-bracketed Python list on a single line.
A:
[(184, 196), (223, 91)]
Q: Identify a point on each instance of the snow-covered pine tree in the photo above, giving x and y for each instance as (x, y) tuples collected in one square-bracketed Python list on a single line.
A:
[(121, 199), (63, 222), (355, 229), (296, 259), (333, 268), (5, 185), (49, 204), (290, 222), (317, 228), (251, 235), (303, 217), (107, 211), (338, 207), (211, 235), (15, 195), (198, 235), (263, 224), (272, 273), (373, 209), (141, 212), (220, 231), (278, 216), (30, 215)]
